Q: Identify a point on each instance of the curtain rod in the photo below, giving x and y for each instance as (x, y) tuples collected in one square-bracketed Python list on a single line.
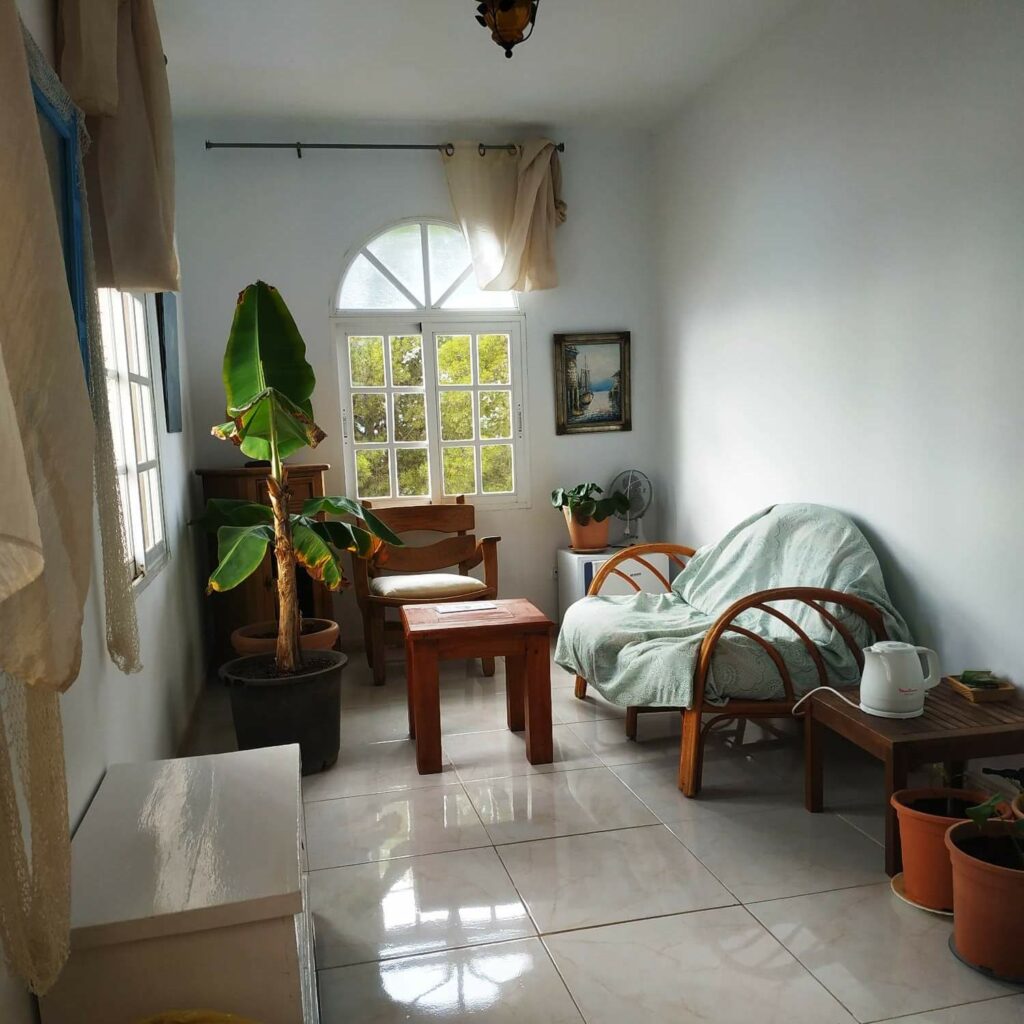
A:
[(445, 147)]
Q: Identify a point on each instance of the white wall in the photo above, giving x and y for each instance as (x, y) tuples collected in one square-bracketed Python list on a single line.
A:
[(267, 214), (842, 283), (109, 717)]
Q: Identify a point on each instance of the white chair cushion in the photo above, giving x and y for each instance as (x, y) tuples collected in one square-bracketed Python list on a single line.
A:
[(424, 585)]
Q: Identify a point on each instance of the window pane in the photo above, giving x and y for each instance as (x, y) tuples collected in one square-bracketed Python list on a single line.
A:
[(449, 257), (496, 468), (407, 361), (410, 417), (492, 359), (453, 359), (456, 415), (495, 413), (413, 472), (373, 473), (149, 493), (137, 318), (369, 419), (469, 296), (459, 466), (401, 251), (366, 362), (365, 287), (142, 418)]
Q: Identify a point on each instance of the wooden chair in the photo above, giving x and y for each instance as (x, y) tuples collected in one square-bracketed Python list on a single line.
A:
[(695, 729), (408, 575)]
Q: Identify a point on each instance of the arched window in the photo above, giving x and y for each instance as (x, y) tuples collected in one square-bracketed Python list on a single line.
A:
[(431, 373)]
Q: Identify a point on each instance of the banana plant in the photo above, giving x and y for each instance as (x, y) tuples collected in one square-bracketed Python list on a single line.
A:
[(269, 386)]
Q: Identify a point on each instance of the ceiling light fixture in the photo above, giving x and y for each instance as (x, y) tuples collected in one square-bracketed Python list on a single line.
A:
[(511, 22)]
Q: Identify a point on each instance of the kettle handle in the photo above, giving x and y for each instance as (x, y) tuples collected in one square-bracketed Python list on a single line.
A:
[(934, 673)]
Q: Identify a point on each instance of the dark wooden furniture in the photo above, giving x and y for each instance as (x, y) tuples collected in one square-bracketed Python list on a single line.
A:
[(695, 728), (951, 730), (377, 589), (255, 599), (514, 630)]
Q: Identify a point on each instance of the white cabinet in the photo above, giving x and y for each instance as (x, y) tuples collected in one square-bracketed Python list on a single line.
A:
[(576, 571), (186, 893)]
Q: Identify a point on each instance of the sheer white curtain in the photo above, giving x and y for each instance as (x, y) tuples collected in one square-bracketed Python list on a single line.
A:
[(509, 205)]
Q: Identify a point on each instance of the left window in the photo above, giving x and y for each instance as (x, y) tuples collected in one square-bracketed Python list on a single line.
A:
[(127, 321)]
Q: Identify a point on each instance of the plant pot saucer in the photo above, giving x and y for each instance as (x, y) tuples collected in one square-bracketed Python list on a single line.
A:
[(589, 551), (896, 884), (983, 970)]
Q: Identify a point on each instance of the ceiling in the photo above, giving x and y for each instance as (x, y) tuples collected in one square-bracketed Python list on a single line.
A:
[(427, 60)]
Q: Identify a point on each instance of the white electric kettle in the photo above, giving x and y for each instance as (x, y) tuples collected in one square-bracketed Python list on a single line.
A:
[(893, 684)]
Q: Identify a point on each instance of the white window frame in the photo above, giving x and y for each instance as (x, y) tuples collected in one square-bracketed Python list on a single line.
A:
[(429, 322), (144, 562)]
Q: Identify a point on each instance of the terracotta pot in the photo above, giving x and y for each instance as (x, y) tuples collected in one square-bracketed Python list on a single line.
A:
[(261, 637), (988, 923), (927, 875), (1018, 806), (589, 535)]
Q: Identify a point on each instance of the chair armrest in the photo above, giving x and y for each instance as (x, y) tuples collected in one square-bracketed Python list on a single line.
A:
[(814, 597), (487, 552), (676, 553)]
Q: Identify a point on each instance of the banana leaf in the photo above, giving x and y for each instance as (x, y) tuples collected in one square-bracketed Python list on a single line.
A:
[(240, 550), (267, 380), (338, 506)]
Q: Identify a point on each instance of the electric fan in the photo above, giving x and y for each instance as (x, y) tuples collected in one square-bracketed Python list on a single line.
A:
[(637, 488)]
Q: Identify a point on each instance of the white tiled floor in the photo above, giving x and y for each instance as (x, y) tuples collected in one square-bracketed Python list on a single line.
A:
[(592, 890)]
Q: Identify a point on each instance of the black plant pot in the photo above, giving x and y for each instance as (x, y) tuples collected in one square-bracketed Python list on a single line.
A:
[(304, 708)]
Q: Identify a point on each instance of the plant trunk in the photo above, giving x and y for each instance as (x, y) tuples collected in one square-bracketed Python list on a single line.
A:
[(288, 629)]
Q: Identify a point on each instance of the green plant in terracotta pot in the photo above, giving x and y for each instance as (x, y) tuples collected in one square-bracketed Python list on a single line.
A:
[(586, 515), (1016, 776), (291, 695), (987, 855)]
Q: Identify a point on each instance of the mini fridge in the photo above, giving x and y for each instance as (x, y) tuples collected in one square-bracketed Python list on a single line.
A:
[(576, 571)]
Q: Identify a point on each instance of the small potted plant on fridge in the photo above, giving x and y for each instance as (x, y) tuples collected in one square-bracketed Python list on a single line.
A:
[(586, 515), (987, 854), (290, 695)]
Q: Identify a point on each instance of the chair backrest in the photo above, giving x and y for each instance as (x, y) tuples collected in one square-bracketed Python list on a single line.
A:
[(458, 519)]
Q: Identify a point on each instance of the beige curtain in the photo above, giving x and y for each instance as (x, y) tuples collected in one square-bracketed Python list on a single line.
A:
[(509, 205), (47, 419), (112, 64)]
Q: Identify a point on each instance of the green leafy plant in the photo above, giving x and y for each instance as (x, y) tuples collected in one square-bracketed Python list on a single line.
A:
[(269, 385), (584, 506)]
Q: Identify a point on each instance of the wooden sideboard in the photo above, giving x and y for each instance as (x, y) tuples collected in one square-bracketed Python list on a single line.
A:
[(255, 599)]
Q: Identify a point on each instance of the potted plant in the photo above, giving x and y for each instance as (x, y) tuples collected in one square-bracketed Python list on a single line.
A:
[(587, 515), (924, 817), (1016, 776), (288, 696), (987, 855)]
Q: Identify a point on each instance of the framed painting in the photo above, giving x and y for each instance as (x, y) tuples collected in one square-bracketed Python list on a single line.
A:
[(592, 386), (167, 329)]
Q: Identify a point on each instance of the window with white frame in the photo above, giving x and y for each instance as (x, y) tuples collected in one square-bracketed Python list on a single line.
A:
[(126, 322), (431, 373)]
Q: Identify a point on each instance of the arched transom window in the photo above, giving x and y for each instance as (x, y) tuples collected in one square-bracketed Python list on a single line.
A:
[(431, 373)]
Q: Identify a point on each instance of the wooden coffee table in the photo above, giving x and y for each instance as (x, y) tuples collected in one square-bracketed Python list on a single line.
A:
[(951, 730), (513, 629)]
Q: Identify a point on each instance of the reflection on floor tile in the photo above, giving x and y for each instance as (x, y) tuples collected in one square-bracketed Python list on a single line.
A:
[(1008, 1010), (657, 740), (879, 956), (493, 755), (357, 829), (413, 905), (783, 853), (586, 880), (558, 804), (567, 708), (507, 983), (713, 965), (373, 768)]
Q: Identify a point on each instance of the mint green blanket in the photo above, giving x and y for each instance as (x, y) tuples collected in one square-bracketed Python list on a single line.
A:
[(642, 649)]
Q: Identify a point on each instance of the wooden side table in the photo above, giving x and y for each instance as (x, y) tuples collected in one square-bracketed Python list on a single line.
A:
[(512, 629), (951, 730)]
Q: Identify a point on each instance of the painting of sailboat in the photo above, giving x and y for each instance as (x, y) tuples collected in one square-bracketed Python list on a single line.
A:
[(592, 375)]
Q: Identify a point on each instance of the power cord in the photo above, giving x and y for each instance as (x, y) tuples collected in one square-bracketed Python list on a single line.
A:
[(810, 693)]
